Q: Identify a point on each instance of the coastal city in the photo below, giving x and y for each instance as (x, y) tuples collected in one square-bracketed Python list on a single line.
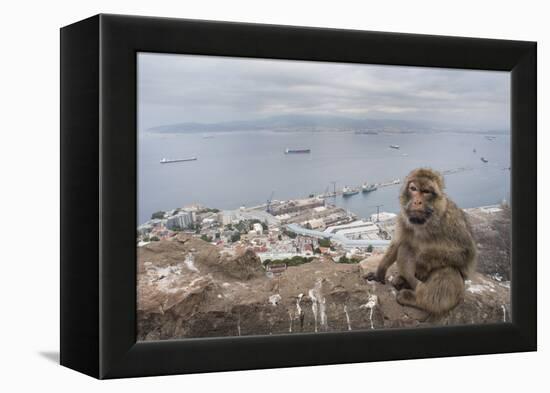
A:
[(281, 233), (284, 233)]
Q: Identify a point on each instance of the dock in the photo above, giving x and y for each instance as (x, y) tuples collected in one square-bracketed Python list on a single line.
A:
[(395, 182)]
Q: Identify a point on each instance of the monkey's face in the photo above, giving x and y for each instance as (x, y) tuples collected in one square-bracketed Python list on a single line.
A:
[(419, 200)]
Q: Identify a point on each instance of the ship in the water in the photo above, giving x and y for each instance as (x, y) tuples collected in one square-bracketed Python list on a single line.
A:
[(297, 151), (366, 132), (349, 191), (171, 160), (369, 187), (484, 159), (394, 146)]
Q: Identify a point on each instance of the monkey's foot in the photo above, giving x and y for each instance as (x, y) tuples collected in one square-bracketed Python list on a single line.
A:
[(406, 297), (378, 277), (400, 283)]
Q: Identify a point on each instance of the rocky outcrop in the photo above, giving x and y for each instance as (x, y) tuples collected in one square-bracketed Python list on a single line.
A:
[(215, 295), (486, 301), (320, 296), (492, 233)]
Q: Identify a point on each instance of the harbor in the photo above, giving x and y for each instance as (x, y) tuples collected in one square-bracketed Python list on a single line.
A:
[(348, 191), (235, 169)]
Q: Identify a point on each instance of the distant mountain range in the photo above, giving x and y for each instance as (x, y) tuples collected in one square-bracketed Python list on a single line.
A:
[(311, 123)]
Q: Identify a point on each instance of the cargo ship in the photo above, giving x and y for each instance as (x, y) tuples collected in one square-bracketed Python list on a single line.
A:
[(170, 160), (368, 132), (297, 151), (349, 191), (369, 187)]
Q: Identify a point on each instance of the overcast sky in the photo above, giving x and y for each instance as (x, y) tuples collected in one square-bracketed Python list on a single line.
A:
[(209, 89)]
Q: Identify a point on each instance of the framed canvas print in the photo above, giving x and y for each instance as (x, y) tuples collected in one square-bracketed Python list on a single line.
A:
[(298, 196)]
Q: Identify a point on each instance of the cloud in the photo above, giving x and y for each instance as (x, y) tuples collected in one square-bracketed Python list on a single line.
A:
[(189, 88)]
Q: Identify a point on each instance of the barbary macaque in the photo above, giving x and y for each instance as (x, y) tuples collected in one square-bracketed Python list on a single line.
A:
[(433, 246)]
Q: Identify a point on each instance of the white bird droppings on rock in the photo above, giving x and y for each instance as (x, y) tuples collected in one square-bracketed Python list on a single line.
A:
[(275, 299), (318, 304), (298, 308), (347, 317), (190, 264), (370, 304)]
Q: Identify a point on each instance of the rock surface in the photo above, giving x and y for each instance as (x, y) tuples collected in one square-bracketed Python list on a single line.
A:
[(491, 228), (212, 295)]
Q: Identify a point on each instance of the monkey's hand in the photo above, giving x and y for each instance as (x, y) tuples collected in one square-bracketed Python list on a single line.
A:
[(379, 276)]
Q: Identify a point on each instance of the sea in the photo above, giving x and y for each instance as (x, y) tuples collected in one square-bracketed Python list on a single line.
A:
[(235, 169)]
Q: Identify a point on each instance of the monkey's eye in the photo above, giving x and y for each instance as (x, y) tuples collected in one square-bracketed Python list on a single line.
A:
[(413, 188), (426, 192)]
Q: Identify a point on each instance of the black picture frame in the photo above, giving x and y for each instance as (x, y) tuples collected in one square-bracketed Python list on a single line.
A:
[(98, 195)]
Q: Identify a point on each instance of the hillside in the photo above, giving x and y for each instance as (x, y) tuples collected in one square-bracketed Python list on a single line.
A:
[(212, 295)]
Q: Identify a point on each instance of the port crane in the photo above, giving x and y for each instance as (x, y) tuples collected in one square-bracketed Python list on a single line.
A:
[(333, 182), (377, 211), (268, 204)]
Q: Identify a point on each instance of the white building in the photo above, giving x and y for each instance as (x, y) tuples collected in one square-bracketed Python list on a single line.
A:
[(355, 224), (228, 217), (284, 217), (195, 207), (145, 229), (258, 228), (316, 223), (355, 230), (364, 232), (181, 220), (275, 256), (383, 216), (208, 221)]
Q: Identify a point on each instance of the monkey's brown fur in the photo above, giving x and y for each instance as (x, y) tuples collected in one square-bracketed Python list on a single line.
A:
[(433, 246)]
